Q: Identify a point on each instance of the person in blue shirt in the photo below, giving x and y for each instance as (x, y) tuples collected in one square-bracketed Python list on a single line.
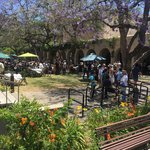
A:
[(118, 76), (92, 85)]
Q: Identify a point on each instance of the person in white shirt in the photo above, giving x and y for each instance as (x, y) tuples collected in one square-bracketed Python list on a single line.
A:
[(100, 72), (2, 68), (124, 84)]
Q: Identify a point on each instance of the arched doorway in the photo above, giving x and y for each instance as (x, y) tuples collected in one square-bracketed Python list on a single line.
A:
[(79, 55), (106, 54), (118, 56), (70, 57), (145, 64), (60, 55), (90, 51)]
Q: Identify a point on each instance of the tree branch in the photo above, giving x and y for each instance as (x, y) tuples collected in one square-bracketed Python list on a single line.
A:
[(132, 41), (140, 49), (141, 57), (135, 4), (111, 26), (121, 26)]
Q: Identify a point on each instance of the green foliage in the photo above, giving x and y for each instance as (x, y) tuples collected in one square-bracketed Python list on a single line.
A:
[(2, 88), (30, 73), (8, 50), (30, 127), (99, 117)]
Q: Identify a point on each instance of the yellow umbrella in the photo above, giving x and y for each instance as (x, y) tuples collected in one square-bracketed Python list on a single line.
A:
[(28, 55)]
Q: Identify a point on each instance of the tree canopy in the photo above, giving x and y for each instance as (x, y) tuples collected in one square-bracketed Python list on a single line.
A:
[(41, 24)]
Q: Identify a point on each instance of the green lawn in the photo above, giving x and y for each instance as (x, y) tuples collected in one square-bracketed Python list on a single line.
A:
[(56, 81)]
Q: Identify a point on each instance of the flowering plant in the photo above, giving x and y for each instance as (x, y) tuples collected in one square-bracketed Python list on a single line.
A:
[(30, 127)]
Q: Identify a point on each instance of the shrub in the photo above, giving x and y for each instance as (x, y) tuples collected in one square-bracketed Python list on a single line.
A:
[(31, 128)]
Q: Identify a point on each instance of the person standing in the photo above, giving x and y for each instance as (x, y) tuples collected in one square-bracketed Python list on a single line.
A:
[(2, 68), (124, 84), (92, 85), (118, 77), (135, 73)]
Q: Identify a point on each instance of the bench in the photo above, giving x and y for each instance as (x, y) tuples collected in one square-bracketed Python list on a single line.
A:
[(116, 137)]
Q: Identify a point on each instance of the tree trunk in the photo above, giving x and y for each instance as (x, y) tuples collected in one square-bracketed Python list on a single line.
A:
[(123, 47)]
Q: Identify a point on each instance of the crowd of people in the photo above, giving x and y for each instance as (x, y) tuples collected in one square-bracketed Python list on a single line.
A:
[(105, 76), (109, 77)]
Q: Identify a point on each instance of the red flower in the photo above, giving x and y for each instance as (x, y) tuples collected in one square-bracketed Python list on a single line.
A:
[(32, 123)]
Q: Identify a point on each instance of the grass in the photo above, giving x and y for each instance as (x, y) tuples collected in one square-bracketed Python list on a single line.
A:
[(56, 81), (145, 78)]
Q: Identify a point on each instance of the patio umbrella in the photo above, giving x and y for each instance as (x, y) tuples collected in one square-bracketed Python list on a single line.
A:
[(28, 55), (92, 57), (4, 56)]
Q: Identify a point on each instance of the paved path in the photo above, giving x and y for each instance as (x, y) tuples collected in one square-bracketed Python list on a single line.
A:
[(10, 98)]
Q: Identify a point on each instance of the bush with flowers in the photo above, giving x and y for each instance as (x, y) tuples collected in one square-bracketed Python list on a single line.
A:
[(30, 128), (99, 117)]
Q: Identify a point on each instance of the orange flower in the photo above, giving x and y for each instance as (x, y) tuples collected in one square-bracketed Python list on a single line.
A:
[(23, 120), (49, 130), (52, 140), (17, 115), (62, 121), (130, 114), (108, 136), (52, 136), (55, 109), (51, 113), (32, 123)]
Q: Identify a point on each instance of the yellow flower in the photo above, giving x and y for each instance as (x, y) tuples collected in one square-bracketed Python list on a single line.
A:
[(123, 104), (78, 121), (85, 109), (97, 110), (79, 107)]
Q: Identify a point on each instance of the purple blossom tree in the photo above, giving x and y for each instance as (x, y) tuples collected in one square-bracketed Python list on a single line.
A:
[(126, 15)]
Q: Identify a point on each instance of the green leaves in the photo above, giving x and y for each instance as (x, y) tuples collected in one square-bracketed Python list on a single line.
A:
[(30, 127)]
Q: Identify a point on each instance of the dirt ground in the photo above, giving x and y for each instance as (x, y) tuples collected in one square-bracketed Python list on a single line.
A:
[(44, 96), (50, 96)]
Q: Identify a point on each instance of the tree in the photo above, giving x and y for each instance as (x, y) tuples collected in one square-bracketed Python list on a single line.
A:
[(126, 15)]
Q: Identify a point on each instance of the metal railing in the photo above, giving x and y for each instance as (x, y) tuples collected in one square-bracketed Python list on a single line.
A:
[(7, 83), (73, 91), (89, 96)]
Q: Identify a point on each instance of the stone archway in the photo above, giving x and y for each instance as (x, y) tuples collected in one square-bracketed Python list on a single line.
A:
[(144, 63), (60, 55), (91, 51), (106, 54), (79, 55)]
